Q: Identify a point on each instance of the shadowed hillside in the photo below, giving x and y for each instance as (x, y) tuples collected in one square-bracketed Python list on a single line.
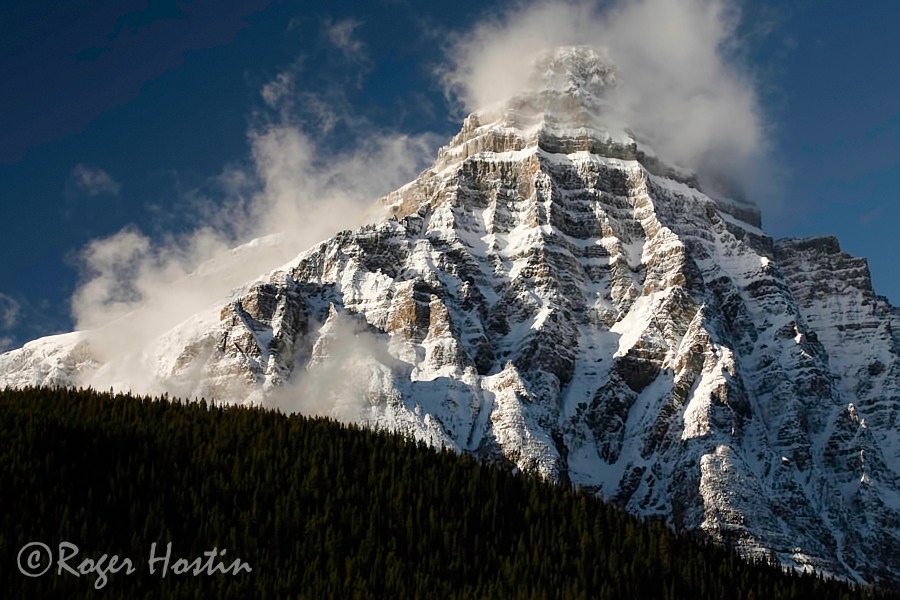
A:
[(318, 509)]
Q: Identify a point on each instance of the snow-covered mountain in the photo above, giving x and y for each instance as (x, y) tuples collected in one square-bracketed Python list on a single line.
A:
[(552, 294)]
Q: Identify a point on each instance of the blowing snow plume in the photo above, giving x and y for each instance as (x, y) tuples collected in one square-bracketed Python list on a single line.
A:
[(678, 87), (344, 358), (293, 191)]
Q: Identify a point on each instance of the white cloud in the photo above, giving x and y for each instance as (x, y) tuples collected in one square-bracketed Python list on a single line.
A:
[(294, 23), (280, 94), (679, 86), (341, 34), (94, 181), (277, 90), (9, 311)]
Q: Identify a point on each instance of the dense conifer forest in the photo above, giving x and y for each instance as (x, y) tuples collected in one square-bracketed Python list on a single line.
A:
[(318, 510)]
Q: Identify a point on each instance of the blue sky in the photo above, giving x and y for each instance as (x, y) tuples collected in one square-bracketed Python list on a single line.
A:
[(152, 121)]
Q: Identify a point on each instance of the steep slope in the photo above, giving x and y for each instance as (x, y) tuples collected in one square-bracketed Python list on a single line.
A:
[(550, 294)]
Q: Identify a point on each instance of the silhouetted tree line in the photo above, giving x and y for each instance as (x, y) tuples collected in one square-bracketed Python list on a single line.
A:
[(319, 509)]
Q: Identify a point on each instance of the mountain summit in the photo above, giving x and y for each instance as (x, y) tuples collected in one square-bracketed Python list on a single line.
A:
[(568, 92), (551, 295), (562, 108)]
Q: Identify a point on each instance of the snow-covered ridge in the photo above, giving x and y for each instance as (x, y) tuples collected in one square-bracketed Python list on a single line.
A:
[(587, 317)]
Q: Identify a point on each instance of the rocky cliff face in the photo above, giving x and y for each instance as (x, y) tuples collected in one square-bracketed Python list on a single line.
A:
[(549, 295)]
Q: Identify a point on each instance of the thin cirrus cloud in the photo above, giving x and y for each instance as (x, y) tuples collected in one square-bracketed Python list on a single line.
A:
[(94, 181)]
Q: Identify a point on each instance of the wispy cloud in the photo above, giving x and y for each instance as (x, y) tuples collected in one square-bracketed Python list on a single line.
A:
[(279, 93), (94, 181), (9, 311), (341, 34), (277, 90), (870, 216)]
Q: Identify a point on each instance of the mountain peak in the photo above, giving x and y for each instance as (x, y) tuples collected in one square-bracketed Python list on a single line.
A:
[(567, 89), (582, 71), (563, 107), (568, 105)]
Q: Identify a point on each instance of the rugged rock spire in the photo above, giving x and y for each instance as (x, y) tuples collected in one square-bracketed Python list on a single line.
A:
[(549, 295)]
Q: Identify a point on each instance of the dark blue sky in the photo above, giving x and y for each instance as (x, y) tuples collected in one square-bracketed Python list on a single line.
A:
[(114, 114)]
